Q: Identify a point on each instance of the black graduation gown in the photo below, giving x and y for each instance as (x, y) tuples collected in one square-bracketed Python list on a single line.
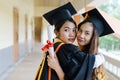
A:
[(44, 75), (75, 64)]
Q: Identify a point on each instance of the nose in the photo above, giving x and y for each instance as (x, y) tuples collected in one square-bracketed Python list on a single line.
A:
[(72, 34), (81, 35)]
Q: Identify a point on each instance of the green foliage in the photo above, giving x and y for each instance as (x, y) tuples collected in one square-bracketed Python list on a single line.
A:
[(109, 43), (112, 7), (117, 16)]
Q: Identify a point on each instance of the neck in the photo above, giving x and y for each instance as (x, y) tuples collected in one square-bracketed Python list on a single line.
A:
[(81, 47)]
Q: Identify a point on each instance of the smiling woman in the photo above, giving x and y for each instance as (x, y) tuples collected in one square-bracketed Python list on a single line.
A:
[(74, 63), (89, 31), (85, 32)]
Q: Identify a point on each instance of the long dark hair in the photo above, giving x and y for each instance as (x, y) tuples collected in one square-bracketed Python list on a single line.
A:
[(92, 48)]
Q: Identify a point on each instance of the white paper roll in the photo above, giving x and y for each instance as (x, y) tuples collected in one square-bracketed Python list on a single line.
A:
[(50, 38)]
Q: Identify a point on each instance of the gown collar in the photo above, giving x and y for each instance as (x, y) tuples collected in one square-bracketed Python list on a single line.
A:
[(57, 40)]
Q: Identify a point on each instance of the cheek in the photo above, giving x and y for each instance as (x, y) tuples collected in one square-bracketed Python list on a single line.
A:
[(78, 35), (88, 40), (63, 36), (75, 34)]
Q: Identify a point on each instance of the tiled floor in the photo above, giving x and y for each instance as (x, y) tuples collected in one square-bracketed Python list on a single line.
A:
[(27, 67), (26, 70)]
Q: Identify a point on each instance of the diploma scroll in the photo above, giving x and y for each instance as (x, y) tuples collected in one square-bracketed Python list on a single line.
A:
[(50, 38)]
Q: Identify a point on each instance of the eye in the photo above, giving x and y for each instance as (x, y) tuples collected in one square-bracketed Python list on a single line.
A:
[(66, 30), (74, 30), (87, 33)]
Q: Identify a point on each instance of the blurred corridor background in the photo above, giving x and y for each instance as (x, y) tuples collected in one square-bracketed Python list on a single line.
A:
[(23, 31)]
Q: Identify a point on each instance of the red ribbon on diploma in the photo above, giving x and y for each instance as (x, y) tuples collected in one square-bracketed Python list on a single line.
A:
[(49, 44)]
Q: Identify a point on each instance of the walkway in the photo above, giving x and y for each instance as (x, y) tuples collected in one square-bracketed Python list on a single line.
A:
[(26, 69)]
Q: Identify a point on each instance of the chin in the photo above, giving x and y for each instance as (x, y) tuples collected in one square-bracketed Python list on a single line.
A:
[(70, 42), (82, 44)]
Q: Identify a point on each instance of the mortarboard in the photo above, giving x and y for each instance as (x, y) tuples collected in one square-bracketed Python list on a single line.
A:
[(99, 22), (63, 12)]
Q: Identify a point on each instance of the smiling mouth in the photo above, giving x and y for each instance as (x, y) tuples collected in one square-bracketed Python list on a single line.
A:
[(80, 40)]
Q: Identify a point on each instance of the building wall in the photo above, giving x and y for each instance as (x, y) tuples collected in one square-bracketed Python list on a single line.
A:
[(39, 11), (6, 30)]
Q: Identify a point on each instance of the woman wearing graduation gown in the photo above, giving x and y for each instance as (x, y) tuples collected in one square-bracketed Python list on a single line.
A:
[(89, 31), (88, 35), (74, 63)]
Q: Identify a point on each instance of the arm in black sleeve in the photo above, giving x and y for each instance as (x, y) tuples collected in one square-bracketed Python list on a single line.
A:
[(75, 64)]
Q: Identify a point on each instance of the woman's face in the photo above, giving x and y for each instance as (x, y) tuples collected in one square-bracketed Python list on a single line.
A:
[(67, 32), (84, 34)]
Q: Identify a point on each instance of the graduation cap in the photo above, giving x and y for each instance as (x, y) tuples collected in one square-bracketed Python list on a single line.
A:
[(99, 22), (61, 13)]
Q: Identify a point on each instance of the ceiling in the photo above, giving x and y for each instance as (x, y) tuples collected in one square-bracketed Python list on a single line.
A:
[(47, 2), (78, 4), (52, 2)]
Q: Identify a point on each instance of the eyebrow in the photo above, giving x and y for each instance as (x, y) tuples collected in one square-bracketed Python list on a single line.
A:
[(88, 31), (66, 27), (85, 30), (70, 28)]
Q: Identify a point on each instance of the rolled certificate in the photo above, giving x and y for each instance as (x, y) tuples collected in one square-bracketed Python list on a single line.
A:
[(50, 38)]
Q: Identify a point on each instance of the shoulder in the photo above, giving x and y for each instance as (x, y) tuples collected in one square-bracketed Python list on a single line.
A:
[(66, 47), (70, 46)]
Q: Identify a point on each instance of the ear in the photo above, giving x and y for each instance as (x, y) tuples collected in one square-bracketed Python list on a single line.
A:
[(56, 33)]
